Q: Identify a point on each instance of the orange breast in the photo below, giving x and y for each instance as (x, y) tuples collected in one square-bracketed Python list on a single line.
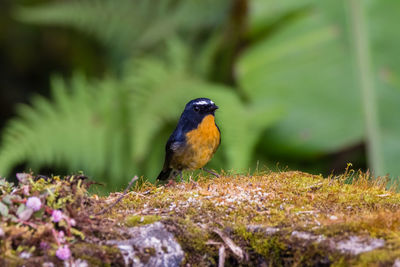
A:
[(202, 143)]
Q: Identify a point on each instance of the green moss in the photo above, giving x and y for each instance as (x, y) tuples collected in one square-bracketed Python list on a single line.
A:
[(151, 251), (281, 249), (378, 257), (11, 261), (271, 248), (137, 220), (97, 255), (193, 236), (339, 262), (287, 201), (146, 254), (193, 241)]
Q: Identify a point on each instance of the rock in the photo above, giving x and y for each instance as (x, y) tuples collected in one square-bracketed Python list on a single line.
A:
[(150, 245), (352, 245), (355, 245), (308, 236), (260, 228)]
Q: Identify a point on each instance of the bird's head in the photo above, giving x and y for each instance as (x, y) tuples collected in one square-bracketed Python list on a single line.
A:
[(201, 107)]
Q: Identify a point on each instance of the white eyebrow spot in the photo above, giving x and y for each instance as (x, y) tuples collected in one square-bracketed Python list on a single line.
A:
[(202, 102)]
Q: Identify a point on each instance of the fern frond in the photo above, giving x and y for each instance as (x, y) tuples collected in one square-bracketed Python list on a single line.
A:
[(75, 130), (127, 25)]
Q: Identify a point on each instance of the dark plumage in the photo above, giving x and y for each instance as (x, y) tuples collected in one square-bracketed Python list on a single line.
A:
[(194, 140)]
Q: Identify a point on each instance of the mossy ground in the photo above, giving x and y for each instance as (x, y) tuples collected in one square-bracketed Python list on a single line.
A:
[(264, 214), (284, 202)]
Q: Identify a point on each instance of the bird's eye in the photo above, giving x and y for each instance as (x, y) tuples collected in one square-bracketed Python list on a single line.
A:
[(196, 108)]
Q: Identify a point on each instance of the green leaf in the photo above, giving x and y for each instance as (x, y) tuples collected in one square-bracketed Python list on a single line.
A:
[(3, 209), (25, 214), (265, 13), (77, 233), (21, 208), (3, 182), (304, 68), (7, 199), (385, 43), (38, 214)]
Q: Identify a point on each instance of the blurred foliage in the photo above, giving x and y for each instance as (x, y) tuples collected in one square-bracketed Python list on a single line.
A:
[(108, 128), (129, 27), (283, 73)]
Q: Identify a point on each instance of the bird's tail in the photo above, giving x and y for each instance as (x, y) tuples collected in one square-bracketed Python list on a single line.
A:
[(164, 174)]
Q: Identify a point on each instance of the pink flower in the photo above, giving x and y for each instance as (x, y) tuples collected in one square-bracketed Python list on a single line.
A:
[(56, 215), (34, 203), (61, 236), (63, 253), (44, 245), (25, 189), (72, 222)]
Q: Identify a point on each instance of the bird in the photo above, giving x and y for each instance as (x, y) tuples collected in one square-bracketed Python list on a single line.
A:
[(194, 141)]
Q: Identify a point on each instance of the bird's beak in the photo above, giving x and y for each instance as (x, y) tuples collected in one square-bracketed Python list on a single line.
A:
[(214, 107)]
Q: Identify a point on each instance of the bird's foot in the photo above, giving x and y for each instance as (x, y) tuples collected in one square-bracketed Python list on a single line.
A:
[(171, 183)]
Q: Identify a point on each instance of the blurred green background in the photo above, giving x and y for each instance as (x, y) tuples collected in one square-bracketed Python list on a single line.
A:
[(98, 85)]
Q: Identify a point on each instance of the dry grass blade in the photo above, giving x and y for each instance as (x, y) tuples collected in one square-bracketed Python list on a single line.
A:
[(231, 245), (211, 172), (120, 198), (315, 186)]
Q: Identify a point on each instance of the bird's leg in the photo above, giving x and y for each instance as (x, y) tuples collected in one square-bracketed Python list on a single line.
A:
[(174, 174), (170, 183), (181, 176), (171, 180), (210, 172), (193, 181)]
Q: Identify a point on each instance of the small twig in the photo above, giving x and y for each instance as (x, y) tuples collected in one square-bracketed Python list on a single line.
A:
[(231, 245), (120, 198), (138, 194), (34, 226), (221, 252), (221, 256), (55, 235), (315, 186), (212, 242)]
